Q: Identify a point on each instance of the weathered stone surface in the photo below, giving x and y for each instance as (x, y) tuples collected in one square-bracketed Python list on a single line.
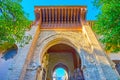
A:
[(89, 66), (19, 59), (102, 59)]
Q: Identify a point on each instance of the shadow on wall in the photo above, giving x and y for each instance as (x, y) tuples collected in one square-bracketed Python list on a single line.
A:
[(91, 63), (5, 62), (105, 67), (117, 65)]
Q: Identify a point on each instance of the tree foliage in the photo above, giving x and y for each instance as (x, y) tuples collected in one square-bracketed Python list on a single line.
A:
[(13, 22), (108, 24)]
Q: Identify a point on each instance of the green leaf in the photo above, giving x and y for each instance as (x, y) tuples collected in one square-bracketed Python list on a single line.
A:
[(108, 23), (13, 22)]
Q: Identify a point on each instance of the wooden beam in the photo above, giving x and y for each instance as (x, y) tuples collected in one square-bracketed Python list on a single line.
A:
[(46, 12), (52, 15), (65, 15), (43, 15), (71, 15), (60, 7), (56, 13), (59, 15), (77, 15), (62, 16)]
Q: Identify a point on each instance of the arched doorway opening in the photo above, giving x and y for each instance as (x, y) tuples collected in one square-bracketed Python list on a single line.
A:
[(63, 54), (60, 74)]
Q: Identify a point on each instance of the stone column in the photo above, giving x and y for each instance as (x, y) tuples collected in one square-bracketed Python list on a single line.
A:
[(43, 74), (39, 74)]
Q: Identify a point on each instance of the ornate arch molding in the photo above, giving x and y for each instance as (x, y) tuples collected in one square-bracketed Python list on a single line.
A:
[(72, 36), (51, 40)]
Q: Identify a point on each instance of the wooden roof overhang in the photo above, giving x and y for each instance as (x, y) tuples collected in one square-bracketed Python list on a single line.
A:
[(60, 17)]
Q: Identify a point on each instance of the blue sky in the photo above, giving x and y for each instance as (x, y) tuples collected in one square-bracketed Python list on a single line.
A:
[(60, 72), (28, 6)]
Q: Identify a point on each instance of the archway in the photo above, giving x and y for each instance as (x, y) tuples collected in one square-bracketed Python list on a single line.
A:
[(61, 72), (65, 57)]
